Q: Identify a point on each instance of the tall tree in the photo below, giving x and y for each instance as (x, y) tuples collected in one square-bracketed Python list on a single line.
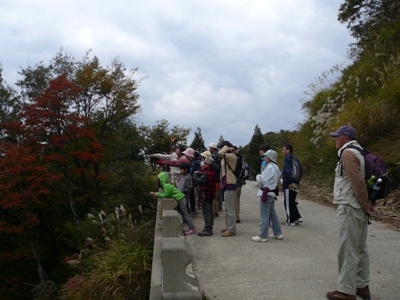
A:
[(253, 156), (373, 23), (48, 169), (10, 105), (108, 97), (198, 141), (159, 137)]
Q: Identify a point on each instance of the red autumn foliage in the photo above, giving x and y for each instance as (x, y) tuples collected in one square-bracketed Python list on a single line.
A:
[(42, 155)]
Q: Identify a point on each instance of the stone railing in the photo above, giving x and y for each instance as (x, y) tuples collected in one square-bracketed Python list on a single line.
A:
[(172, 274)]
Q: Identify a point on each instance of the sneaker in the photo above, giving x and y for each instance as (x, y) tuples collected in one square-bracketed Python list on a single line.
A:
[(298, 221), (287, 223), (278, 236), (363, 293), (227, 234), (258, 239), (335, 295), (190, 231), (205, 233)]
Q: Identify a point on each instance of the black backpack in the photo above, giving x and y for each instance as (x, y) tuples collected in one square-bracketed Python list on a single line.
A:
[(240, 170), (375, 169), (297, 170)]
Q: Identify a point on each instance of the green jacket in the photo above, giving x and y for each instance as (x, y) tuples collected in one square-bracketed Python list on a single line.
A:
[(169, 191)]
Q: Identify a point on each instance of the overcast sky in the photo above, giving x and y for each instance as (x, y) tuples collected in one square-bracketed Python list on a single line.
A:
[(220, 65)]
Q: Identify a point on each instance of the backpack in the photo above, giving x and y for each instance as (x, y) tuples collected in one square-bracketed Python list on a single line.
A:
[(374, 166), (240, 170), (244, 168), (194, 166), (297, 170)]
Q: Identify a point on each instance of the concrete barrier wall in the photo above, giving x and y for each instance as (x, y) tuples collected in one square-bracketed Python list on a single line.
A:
[(172, 276)]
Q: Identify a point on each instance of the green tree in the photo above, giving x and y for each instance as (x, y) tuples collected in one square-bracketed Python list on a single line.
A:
[(159, 137), (253, 156), (373, 23), (272, 139), (198, 141), (10, 105)]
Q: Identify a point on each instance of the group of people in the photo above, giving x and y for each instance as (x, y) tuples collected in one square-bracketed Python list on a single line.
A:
[(208, 179), (269, 190), (350, 194)]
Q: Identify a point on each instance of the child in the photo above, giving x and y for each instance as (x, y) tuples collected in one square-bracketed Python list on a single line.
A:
[(207, 178), (170, 191), (185, 183)]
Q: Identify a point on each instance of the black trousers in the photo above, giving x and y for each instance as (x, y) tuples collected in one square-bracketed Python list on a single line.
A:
[(292, 213)]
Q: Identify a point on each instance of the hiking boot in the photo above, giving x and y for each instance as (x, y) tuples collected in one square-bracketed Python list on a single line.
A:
[(363, 293), (223, 230), (298, 221), (340, 296), (278, 236), (258, 239), (227, 234), (190, 231), (205, 233)]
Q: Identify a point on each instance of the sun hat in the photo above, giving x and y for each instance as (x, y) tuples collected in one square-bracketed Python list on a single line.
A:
[(206, 154), (272, 155), (346, 130), (213, 145), (189, 152)]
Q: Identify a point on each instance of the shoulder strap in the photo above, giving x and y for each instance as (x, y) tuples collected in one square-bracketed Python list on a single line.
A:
[(362, 151), (226, 163)]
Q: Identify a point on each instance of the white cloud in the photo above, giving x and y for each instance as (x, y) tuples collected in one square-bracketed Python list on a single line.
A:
[(223, 66)]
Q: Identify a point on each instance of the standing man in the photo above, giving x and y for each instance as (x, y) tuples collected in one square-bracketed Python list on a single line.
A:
[(239, 183), (293, 216), (217, 203), (351, 196), (228, 179)]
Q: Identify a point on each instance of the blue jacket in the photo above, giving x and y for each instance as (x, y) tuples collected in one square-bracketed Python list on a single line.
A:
[(287, 171)]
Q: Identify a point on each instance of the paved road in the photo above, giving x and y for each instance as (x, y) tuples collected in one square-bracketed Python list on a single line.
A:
[(301, 266)]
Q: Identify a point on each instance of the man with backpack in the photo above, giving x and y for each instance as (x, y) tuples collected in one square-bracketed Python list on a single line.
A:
[(351, 196), (291, 175), (228, 183)]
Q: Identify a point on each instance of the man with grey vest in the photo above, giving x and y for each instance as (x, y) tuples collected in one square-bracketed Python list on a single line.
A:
[(351, 196)]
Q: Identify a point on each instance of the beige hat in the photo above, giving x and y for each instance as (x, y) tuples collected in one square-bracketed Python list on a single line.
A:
[(272, 155), (206, 154)]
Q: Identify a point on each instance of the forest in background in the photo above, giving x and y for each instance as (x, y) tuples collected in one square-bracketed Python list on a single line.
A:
[(76, 219)]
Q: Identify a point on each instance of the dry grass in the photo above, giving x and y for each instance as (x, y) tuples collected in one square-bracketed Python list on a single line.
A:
[(389, 214)]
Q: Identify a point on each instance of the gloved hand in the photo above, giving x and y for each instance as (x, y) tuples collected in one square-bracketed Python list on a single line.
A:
[(159, 162)]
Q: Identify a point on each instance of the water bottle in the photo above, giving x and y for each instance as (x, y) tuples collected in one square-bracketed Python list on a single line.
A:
[(370, 182), (375, 188)]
